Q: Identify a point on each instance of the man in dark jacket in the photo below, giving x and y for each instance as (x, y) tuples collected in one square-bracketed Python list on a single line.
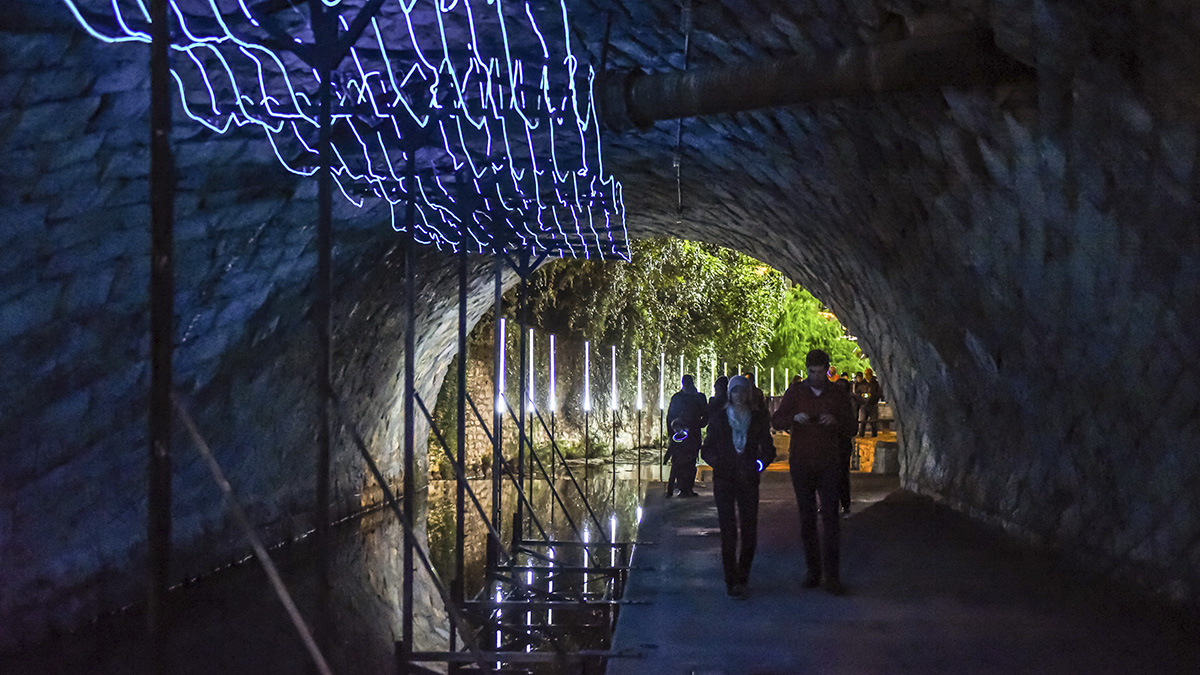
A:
[(816, 413), (738, 447), (845, 443), (868, 396), (687, 414)]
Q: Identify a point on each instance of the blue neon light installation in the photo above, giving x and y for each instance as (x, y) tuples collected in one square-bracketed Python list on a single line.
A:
[(497, 109)]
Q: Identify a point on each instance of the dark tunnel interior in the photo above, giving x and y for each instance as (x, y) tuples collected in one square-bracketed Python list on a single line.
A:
[(1019, 258)]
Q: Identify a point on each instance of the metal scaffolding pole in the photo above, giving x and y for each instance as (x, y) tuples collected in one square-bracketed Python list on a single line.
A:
[(522, 434), (457, 586), (497, 412), (162, 339), (410, 484)]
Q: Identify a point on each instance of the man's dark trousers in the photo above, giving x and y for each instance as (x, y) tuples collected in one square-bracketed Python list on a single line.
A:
[(869, 414), (845, 452), (821, 553), (683, 470), (744, 497)]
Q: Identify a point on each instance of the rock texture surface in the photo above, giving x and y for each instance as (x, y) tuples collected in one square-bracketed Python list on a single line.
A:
[(1022, 264)]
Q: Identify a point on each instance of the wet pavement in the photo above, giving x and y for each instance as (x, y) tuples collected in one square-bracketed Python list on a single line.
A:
[(930, 591)]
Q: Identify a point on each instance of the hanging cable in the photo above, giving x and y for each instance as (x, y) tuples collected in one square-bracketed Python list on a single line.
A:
[(686, 27)]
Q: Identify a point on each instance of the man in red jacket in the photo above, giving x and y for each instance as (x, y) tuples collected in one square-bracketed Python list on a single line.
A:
[(816, 414)]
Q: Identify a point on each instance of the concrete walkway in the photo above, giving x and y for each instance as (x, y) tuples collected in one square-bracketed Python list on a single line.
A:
[(930, 591)]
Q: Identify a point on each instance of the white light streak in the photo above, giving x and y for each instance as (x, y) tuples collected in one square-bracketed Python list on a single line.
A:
[(612, 400), (639, 391), (553, 386), (587, 377), (532, 371)]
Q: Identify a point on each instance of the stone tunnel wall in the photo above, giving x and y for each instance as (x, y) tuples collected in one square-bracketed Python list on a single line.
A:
[(1021, 263)]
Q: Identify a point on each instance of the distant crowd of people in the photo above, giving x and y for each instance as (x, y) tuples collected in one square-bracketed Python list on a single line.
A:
[(822, 414)]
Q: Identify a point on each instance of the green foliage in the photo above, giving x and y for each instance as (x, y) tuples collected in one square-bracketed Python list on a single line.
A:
[(675, 296), (802, 326)]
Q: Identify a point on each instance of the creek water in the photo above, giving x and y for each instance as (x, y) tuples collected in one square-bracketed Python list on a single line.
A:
[(232, 622)]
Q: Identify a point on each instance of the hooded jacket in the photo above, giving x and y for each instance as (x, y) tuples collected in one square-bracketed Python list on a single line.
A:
[(719, 452)]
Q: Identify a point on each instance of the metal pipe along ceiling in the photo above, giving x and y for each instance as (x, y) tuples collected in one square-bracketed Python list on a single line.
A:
[(963, 58)]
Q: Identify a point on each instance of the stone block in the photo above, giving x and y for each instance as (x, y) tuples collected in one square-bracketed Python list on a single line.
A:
[(89, 290), (37, 307), (131, 163), (31, 52), (125, 111), (51, 185), (54, 121), (129, 77), (59, 84)]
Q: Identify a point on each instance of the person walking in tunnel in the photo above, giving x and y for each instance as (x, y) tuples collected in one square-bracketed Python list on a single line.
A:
[(758, 399), (845, 442), (720, 391), (816, 414), (686, 415), (738, 446), (868, 411)]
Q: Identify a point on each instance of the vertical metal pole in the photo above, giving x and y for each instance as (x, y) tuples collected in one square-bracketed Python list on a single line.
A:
[(162, 338), (410, 340), (493, 554), (458, 590), (523, 317)]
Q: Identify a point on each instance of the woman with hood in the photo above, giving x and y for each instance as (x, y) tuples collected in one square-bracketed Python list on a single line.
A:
[(738, 447)]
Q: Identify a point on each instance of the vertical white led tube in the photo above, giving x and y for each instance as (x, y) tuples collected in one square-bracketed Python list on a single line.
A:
[(662, 380), (698, 373), (612, 400), (772, 381), (725, 368), (587, 376), (639, 396), (532, 370), (756, 382), (680, 370), (553, 388), (503, 342)]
